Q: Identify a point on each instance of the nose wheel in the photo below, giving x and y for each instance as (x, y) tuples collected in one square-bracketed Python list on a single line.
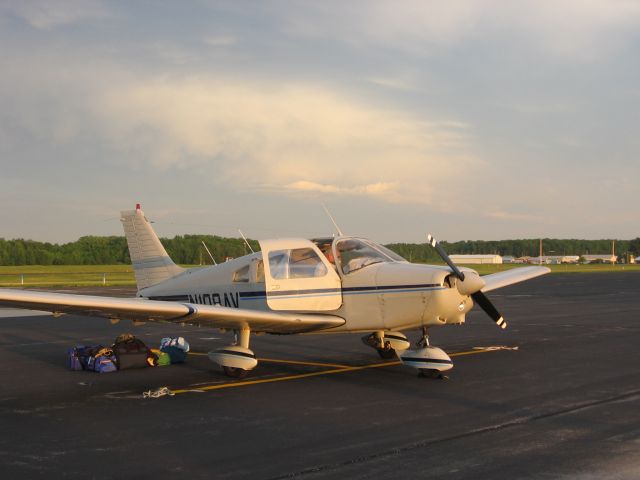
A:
[(423, 342), (430, 361), (235, 372), (432, 373)]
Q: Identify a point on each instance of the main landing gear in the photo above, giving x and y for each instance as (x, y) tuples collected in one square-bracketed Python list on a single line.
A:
[(237, 359), (387, 344)]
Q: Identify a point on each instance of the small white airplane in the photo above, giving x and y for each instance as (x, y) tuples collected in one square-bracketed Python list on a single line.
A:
[(293, 285)]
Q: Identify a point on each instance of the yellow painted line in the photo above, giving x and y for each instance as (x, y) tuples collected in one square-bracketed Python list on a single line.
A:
[(296, 362), (472, 352), (282, 379), (292, 362), (342, 369)]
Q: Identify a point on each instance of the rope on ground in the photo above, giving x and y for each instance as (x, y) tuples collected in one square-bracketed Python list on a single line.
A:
[(160, 392)]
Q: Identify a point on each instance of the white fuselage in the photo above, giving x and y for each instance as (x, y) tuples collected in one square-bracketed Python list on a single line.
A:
[(384, 296)]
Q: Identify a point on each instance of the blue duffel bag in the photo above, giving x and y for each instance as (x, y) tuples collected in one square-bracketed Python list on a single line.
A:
[(102, 361), (176, 354), (104, 364), (78, 356)]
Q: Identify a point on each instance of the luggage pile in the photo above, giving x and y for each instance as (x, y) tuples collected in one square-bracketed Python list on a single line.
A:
[(127, 352), (94, 358)]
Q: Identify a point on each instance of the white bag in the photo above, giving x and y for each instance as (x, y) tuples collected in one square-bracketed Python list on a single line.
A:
[(179, 342)]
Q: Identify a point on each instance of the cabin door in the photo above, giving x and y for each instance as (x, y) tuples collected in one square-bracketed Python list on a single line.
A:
[(299, 277)]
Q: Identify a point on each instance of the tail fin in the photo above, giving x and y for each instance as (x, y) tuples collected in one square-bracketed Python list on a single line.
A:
[(151, 263)]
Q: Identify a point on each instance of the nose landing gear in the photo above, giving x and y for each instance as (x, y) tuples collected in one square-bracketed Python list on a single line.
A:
[(430, 361)]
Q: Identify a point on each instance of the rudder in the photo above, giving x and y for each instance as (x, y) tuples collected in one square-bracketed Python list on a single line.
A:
[(151, 263)]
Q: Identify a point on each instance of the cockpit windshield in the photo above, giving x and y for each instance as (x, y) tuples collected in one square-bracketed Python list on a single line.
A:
[(355, 254)]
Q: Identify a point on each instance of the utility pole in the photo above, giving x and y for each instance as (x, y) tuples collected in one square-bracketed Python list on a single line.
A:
[(613, 251), (540, 256)]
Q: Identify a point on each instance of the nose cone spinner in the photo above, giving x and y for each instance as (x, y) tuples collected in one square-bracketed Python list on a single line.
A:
[(471, 284)]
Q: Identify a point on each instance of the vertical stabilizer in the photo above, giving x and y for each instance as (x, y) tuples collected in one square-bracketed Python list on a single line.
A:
[(150, 260)]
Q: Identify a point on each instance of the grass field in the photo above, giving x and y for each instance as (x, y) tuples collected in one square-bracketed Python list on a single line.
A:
[(122, 275), (595, 268), (66, 275)]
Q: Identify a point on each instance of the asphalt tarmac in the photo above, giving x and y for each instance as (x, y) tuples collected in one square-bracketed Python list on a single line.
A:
[(561, 401)]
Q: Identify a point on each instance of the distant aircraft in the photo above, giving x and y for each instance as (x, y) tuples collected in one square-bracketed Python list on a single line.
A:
[(293, 285)]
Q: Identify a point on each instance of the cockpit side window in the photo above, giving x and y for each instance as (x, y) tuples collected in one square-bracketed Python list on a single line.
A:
[(390, 253), (296, 263), (355, 254)]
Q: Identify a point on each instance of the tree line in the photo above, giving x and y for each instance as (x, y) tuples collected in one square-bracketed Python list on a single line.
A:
[(188, 249), (92, 250), (518, 248)]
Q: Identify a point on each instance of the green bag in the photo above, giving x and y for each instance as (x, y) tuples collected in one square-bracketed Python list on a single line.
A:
[(163, 358)]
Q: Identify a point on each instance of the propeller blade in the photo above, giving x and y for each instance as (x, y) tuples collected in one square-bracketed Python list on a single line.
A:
[(435, 244), (486, 305), (479, 297)]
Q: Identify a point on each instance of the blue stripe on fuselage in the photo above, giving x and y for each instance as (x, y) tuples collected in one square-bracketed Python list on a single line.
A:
[(323, 292)]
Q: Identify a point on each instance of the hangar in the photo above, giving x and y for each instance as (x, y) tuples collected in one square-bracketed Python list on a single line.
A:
[(600, 258), (554, 259), (476, 259)]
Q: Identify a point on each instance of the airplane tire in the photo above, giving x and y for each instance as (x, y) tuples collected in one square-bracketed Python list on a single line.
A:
[(235, 372), (431, 373), (386, 353)]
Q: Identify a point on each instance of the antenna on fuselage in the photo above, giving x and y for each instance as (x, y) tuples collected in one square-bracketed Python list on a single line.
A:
[(210, 256), (246, 241), (332, 220)]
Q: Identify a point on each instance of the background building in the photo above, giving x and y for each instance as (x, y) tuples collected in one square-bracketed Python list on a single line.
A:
[(554, 259), (476, 259), (608, 258)]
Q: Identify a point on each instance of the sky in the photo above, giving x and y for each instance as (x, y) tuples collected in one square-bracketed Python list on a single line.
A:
[(465, 119)]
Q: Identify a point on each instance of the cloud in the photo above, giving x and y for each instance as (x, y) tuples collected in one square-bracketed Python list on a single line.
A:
[(286, 139), (393, 83), (512, 217), (49, 14), (379, 188), (220, 41), (576, 29)]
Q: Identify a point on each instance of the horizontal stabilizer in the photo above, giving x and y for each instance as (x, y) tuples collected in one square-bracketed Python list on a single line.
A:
[(515, 275)]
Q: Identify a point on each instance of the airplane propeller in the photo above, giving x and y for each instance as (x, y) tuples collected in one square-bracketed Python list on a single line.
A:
[(472, 287)]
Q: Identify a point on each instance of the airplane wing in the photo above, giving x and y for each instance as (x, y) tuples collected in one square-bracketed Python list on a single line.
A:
[(508, 277), (143, 310)]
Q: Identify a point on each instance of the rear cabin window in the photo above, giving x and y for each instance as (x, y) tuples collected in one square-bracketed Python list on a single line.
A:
[(260, 272), (296, 263), (241, 275)]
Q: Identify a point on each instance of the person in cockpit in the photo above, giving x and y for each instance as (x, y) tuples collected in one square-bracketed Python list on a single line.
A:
[(355, 254)]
